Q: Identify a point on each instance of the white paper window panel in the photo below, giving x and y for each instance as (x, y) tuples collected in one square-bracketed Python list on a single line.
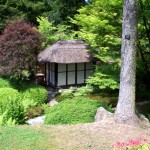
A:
[(71, 67), (80, 66), (61, 67), (52, 77), (89, 65), (62, 78), (88, 73), (71, 77), (80, 77), (52, 66)]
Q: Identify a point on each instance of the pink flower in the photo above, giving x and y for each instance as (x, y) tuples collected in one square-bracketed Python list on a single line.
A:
[(131, 143)]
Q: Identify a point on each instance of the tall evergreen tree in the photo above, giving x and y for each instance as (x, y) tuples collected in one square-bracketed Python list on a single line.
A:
[(11, 10), (61, 10)]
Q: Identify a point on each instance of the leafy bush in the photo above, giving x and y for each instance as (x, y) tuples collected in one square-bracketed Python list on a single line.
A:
[(137, 144), (51, 32), (7, 93), (5, 121), (73, 92), (11, 82), (77, 110), (83, 90), (64, 95), (4, 83), (109, 97), (102, 81), (35, 94), (17, 104), (11, 105)]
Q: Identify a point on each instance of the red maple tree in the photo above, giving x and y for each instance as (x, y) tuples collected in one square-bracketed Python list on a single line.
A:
[(19, 46)]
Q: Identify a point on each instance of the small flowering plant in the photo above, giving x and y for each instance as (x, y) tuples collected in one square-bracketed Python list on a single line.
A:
[(137, 144)]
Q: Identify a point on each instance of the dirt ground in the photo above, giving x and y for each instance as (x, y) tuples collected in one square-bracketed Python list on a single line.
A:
[(93, 136)]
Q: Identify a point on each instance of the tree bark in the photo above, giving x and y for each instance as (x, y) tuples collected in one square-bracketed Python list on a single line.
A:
[(125, 111)]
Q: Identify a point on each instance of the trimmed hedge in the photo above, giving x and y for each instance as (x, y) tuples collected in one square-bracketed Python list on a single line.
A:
[(17, 97), (35, 93), (8, 93), (77, 110)]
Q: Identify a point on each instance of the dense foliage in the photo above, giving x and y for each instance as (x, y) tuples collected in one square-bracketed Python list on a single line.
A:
[(100, 26), (8, 93), (73, 111), (28, 91), (143, 57), (53, 33), (98, 22), (24, 9), (61, 10), (74, 92), (36, 94), (20, 101), (4, 83), (11, 106), (19, 46), (106, 97)]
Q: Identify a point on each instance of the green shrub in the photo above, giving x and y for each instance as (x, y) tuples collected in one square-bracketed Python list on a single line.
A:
[(83, 90), (109, 98), (6, 93), (16, 84), (36, 94), (4, 83), (77, 110), (73, 92), (6, 121), (11, 105), (64, 95)]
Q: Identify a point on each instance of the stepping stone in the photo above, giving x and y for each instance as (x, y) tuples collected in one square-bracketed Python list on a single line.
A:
[(53, 102), (36, 121)]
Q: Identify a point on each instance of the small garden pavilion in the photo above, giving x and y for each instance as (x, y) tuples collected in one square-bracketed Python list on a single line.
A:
[(67, 63)]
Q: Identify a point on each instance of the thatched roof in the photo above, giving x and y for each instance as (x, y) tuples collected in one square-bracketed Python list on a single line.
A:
[(66, 51)]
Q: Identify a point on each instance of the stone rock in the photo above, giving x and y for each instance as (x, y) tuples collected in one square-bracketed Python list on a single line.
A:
[(102, 114), (53, 102), (36, 121)]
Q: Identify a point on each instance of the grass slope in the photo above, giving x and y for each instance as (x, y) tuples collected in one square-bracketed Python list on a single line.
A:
[(22, 138), (91, 136)]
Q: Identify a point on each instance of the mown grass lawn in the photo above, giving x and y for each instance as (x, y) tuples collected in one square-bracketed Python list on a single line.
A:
[(23, 138), (89, 136)]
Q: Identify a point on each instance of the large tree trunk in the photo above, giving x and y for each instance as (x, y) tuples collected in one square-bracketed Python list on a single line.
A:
[(125, 111)]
